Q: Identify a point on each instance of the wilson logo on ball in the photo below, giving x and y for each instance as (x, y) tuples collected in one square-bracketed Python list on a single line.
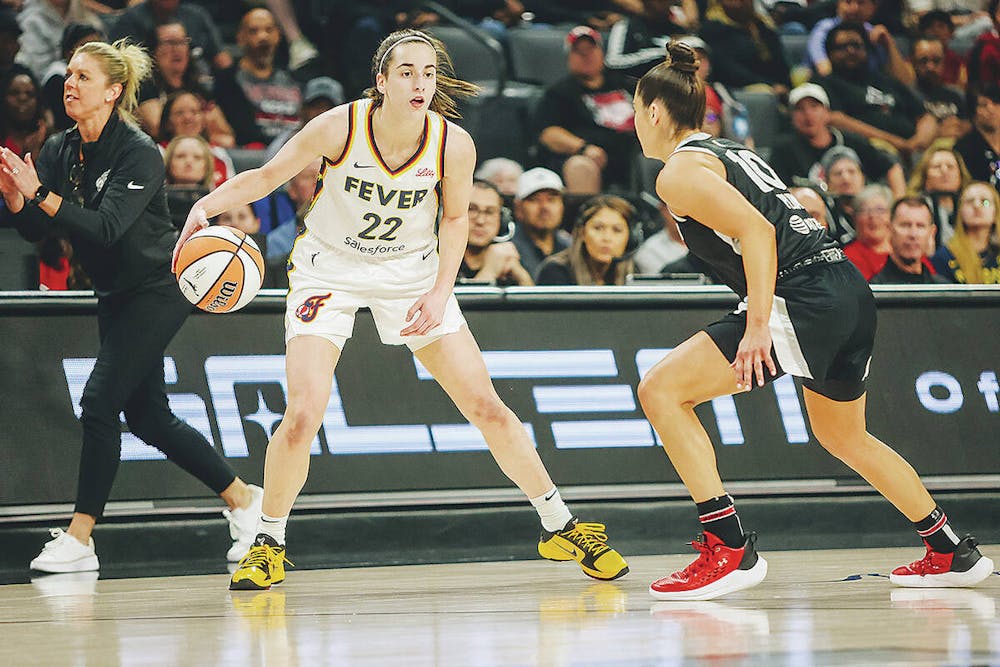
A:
[(220, 269)]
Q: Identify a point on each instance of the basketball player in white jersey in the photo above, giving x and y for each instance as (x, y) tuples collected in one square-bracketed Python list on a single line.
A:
[(390, 161)]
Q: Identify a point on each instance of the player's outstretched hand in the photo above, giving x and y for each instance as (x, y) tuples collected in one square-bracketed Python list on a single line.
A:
[(753, 354), (428, 311), (196, 220)]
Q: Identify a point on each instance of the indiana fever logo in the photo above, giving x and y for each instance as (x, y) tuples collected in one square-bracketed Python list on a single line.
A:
[(310, 307)]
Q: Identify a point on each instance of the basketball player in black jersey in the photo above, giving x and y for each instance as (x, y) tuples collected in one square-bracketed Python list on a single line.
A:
[(805, 311)]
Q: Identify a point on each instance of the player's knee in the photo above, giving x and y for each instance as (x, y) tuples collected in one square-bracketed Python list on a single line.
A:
[(300, 424), (656, 390), (837, 440), (488, 410)]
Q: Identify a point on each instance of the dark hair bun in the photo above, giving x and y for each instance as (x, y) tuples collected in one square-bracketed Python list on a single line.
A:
[(681, 57)]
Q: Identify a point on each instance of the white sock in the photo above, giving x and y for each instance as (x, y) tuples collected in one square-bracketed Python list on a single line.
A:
[(273, 527), (552, 510)]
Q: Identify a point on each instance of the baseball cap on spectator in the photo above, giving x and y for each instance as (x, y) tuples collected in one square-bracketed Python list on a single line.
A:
[(695, 42), (536, 180), (8, 22), (323, 87), (74, 32), (809, 90), (583, 32), (838, 153)]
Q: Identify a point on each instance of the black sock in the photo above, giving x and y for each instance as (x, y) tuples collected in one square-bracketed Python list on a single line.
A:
[(718, 516), (935, 530)]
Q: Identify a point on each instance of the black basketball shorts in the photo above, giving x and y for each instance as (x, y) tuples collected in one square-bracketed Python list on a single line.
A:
[(822, 329)]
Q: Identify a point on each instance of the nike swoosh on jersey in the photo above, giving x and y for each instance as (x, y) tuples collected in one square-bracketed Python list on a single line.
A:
[(363, 166), (132, 185), (427, 254)]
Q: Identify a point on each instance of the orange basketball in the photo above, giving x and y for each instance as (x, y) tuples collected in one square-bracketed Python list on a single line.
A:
[(220, 269)]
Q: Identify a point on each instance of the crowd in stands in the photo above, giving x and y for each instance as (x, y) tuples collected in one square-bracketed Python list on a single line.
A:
[(881, 116)]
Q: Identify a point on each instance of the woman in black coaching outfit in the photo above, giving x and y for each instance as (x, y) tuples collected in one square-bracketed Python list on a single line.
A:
[(101, 184)]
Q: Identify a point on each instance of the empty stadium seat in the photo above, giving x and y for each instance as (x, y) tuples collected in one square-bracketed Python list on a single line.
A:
[(764, 115), (537, 55), (794, 47), (474, 60)]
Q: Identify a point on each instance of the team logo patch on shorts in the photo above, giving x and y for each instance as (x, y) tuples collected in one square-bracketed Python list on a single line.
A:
[(309, 308)]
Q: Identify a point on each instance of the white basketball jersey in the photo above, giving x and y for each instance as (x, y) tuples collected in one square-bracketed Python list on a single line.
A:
[(363, 207)]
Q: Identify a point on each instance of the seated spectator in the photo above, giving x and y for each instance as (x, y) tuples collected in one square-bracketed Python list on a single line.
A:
[(189, 175), (586, 121), (173, 72), (503, 173), (724, 116), (911, 231), (54, 77), (753, 51), (259, 99), (984, 58), (662, 248), (538, 211), (319, 95), (869, 103), (10, 33), (242, 218), (24, 121), (972, 257), (884, 57), (140, 19), (797, 153), (300, 50), (840, 171), (300, 191), (183, 115), (940, 26), (980, 148), (43, 23), (813, 202), (871, 217), (487, 260), (597, 255), (636, 42), (940, 176), (942, 102)]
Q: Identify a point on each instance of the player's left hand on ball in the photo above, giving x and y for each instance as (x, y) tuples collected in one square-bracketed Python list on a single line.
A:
[(428, 311), (753, 355)]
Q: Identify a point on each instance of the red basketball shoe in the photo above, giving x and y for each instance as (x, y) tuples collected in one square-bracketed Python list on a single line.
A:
[(963, 567), (717, 571)]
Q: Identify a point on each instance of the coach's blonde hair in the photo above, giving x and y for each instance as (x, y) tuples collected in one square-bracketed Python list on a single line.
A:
[(450, 89), (126, 64)]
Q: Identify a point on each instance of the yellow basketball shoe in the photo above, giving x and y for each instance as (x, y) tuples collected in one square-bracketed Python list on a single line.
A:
[(262, 567), (587, 544)]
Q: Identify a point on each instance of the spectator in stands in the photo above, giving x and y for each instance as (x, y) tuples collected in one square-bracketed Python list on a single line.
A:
[(971, 257), (984, 58), (841, 173), (586, 122), (753, 52), (538, 211), (939, 25), (259, 99), (242, 218), (637, 42), (598, 14), (942, 102), (980, 148), (940, 176), (883, 57), (503, 173), (812, 201), (172, 72), (871, 217), (184, 116), (279, 242), (319, 95), (597, 255), (796, 155), (300, 50), (140, 19), (189, 162), (10, 32), (43, 22), (24, 121), (910, 232), (52, 81), (869, 103), (487, 259)]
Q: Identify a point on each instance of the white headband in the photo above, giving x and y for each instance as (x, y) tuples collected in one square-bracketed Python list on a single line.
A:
[(410, 38)]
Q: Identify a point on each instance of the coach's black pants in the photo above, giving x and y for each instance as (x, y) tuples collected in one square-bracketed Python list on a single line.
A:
[(128, 375)]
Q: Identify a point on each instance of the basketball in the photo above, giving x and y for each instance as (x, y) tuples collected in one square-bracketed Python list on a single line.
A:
[(220, 269)]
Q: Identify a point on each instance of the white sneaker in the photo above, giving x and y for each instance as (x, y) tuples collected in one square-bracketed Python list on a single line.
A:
[(300, 52), (65, 553), (243, 524)]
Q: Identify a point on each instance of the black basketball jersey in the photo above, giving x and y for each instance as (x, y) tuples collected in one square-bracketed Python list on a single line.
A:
[(798, 235)]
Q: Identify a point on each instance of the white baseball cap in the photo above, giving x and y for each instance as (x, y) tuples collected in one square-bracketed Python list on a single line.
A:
[(537, 179), (813, 90)]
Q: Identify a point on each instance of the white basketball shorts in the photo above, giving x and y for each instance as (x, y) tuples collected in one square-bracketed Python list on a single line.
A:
[(326, 287)]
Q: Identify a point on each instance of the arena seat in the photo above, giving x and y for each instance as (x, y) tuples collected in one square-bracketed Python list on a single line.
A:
[(18, 262), (764, 115), (537, 55), (474, 59)]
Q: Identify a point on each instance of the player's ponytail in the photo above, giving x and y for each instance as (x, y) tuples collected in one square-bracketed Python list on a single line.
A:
[(450, 89), (126, 64), (675, 83)]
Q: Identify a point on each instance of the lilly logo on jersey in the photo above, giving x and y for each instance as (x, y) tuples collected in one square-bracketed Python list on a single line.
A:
[(425, 172), (309, 308), (370, 191)]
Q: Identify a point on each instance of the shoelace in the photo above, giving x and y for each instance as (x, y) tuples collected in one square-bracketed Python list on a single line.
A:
[(261, 555), (590, 536), (704, 553), (56, 533), (925, 564)]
